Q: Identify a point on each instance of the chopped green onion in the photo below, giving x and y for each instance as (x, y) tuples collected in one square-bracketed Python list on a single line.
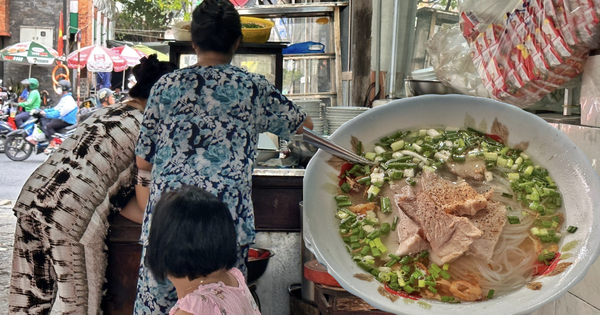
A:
[(405, 260), (445, 274), (513, 219), (386, 205), (375, 251), (408, 289), (571, 229), (421, 283), (392, 256), (394, 223), (490, 294), (345, 187), (385, 228), (391, 263), (446, 266), (365, 250), (435, 267), (424, 254)]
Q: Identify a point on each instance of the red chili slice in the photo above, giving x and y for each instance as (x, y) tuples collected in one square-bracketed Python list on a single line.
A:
[(402, 294)]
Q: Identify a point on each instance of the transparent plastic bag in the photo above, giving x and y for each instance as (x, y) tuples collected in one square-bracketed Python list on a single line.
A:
[(452, 63), (38, 135), (525, 52)]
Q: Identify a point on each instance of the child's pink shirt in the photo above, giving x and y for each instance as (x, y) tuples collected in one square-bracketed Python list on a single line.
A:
[(219, 299)]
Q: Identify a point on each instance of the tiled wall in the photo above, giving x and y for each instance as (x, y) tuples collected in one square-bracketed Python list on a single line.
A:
[(584, 298)]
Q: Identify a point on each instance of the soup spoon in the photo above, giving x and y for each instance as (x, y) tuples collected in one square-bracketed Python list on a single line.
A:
[(331, 147)]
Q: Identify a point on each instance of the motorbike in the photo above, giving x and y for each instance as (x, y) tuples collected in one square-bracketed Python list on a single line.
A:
[(7, 101), (17, 147)]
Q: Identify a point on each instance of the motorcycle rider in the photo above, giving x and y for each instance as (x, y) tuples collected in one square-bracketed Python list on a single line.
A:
[(25, 93), (33, 102), (106, 97), (62, 115)]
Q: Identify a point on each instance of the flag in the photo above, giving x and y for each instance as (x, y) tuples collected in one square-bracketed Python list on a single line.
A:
[(60, 46)]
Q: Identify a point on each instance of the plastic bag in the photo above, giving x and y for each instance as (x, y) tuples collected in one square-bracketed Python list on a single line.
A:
[(452, 63), (38, 135), (527, 52)]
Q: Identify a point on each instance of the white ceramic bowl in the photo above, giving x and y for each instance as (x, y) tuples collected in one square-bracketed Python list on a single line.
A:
[(568, 166)]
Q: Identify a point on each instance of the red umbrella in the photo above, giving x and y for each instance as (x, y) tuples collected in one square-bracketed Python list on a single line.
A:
[(132, 55), (96, 59)]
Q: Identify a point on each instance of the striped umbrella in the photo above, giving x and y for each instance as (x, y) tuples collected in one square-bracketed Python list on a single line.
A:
[(131, 55), (96, 59), (29, 53)]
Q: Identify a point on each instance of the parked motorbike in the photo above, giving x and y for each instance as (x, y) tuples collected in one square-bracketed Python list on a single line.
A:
[(18, 148)]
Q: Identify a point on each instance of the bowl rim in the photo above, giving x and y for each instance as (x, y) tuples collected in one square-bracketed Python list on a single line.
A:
[(589, 248)]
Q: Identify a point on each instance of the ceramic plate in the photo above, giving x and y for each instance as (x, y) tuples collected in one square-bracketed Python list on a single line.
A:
[(568, 166)]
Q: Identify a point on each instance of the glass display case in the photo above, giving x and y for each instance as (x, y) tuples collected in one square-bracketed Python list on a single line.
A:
[(265, 59)]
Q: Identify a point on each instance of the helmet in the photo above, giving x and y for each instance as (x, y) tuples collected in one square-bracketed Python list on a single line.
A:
[(33, 83), (65, 85), (104, 93)]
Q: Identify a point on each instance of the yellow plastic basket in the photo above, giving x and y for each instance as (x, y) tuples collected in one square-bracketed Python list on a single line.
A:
[(256, 35)]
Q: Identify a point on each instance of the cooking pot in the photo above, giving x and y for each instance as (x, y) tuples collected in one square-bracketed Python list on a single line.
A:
[(257, 264)]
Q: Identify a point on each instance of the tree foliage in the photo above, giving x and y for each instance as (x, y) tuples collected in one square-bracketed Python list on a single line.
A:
[(145, 20)]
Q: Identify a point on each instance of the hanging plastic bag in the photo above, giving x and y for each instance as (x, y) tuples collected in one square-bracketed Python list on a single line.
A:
[(38, 135), (526, 52), (452, 63)]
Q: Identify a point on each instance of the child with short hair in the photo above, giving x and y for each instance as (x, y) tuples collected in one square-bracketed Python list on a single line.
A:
[(192, 242)]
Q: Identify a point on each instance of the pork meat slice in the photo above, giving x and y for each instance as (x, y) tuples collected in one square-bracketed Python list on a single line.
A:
[(471, 168), (409, 238), (461, 199), (449, 236), (490, 221)]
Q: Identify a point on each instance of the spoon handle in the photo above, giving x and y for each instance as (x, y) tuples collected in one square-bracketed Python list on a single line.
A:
[(331, 147)]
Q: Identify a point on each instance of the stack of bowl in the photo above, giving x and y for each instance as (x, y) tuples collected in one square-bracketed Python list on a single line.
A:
[(313, 108), (337, 116)]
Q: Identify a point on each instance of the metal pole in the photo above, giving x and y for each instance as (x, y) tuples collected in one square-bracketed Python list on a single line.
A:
[(392, 83), (378, 47)]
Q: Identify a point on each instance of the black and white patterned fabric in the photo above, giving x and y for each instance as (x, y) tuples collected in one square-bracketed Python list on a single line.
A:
[(63, 214)]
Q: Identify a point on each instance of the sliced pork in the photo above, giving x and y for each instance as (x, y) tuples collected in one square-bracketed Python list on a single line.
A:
[(490, 221), (408, 236), (459, 199), (449, 236), (472, 168)]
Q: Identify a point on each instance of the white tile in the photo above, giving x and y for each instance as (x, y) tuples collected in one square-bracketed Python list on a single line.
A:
[(571, 305), (589, 288), (548, 309)]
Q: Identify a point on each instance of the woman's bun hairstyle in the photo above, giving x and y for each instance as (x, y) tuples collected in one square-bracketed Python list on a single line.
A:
[(216, 26), (147, 73)]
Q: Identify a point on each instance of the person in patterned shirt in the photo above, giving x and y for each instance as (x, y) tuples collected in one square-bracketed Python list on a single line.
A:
[(64, 209), (201, 128)]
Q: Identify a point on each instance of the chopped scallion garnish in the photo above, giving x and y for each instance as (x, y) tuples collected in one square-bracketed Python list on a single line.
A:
[(490, 294), (572, 229)]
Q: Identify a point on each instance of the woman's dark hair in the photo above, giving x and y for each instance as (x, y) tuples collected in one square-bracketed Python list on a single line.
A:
[(147, 73), (192, 235), (216, 26)]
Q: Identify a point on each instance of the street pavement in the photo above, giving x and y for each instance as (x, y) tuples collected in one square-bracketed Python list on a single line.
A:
[(12, 177)]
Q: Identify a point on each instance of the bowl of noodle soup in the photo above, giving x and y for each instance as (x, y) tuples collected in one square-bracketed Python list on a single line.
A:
[(519, 285)]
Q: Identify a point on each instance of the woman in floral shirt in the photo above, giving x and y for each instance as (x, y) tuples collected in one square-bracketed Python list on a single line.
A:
[(201, 128)]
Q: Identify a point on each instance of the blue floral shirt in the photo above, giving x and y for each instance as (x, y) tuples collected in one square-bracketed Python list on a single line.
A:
[(201, 127)]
